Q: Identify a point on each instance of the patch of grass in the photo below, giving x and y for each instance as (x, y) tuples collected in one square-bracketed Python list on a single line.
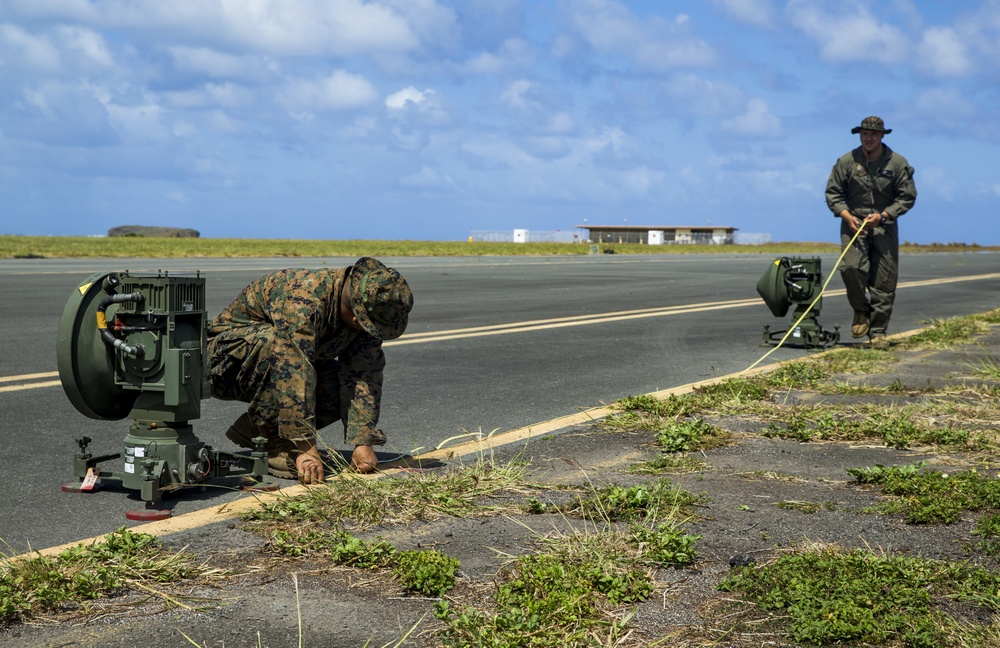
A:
[(945, 333), (33, 585), (459, 491), (837, 597), (989, 317), (649, 404), (986, 368), (420, 572), (425, 572), (896, 428), (988, 529), (730, 393), (670, 464), (929, 496), (569, 593), (853, 361), (659, 500), (793, 375), (683, 436)]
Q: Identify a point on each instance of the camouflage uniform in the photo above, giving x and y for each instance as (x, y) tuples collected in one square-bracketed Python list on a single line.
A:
[(280, 348), (863, 188)]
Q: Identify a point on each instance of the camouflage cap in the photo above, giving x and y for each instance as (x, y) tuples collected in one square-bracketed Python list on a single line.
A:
[(380, 298), (872, 123)]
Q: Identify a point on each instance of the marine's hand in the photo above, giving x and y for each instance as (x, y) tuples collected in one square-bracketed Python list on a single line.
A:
[(363, 459), (309, 464), (852, 222), (872, 220)]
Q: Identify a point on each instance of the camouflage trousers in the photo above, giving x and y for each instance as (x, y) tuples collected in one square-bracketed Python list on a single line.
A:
[(239, 361), (870, 270)]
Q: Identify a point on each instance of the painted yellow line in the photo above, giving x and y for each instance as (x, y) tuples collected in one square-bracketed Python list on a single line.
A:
[(13, 388), (34, 376), (565, 322), (229, 510), (557, 322)]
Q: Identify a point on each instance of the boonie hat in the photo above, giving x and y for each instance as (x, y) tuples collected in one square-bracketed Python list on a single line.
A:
[(380, 298), (872, 123)]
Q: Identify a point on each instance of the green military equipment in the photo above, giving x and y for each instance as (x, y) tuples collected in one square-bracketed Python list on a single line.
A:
[(134, 346), (796, 281)]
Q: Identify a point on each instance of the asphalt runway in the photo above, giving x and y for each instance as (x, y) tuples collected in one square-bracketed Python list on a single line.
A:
[(494, 343)]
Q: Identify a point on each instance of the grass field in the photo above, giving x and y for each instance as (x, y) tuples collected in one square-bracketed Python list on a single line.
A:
[(31, 247)]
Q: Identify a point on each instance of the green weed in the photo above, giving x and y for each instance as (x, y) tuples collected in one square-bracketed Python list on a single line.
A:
[(661, 499), (460, 491), (425, 572), (945, 333), (986, 368), (568, 592), (33, 585), (683, 436), (929, 496), (670, 464), (831, 596), (988, 529), (896, 428)]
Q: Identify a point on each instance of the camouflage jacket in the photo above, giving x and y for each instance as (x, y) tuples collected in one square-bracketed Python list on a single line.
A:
[(301, 306), (863, 187)]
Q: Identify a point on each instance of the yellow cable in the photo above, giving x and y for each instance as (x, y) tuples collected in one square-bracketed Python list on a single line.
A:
[(806, 312)]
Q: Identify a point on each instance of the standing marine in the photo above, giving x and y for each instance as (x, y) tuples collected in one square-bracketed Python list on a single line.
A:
[(303, 348), (870, 188)]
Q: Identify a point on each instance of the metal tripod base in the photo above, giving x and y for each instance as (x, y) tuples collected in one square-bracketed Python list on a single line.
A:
[(807, 334), (159, 458)]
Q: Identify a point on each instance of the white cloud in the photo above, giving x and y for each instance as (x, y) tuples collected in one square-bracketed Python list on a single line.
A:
[(759, 13), (944, 54), (945, 103), (225, 95), (287, 27), (338, 91), (704, 98), (20, 50), (609, 26), (515, 94), (514, 53), (424, 106), (561, 122), (137, 123), (398, 100), (669, 54), (84, 46), (757, 121), (847, 32), (220, 65)]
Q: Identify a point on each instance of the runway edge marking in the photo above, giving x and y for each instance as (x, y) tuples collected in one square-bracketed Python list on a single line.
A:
[(229, 510)]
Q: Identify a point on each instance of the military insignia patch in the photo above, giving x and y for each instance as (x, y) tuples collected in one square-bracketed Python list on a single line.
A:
[(859, 170)]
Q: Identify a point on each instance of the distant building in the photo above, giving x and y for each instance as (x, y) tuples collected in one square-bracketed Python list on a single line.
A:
[(659, 234)]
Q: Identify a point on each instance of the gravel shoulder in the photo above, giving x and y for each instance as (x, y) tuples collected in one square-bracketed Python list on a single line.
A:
[(743, 482)]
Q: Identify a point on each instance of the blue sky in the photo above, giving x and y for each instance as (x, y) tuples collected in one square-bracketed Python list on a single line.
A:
[(426, 119)]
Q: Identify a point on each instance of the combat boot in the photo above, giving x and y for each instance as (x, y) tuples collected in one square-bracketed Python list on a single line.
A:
[(281, 452), (860, 326)]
